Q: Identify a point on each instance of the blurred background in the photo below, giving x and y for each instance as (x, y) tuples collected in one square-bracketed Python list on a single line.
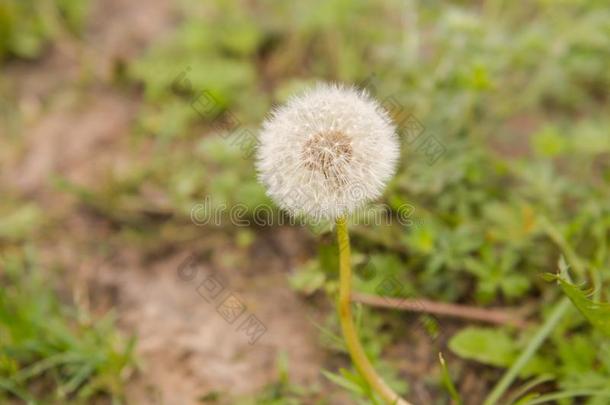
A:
[(124, 124)]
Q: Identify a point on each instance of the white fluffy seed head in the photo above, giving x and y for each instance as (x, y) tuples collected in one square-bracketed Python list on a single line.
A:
[(327, 152)]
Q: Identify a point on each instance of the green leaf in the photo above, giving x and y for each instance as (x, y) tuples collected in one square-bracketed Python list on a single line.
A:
[(345, 382), (597, 313), (549, 142), (308, 279), (527, 398), (489, 346)]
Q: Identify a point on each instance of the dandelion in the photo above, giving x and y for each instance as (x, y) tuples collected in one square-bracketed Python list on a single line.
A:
[(325, 154)]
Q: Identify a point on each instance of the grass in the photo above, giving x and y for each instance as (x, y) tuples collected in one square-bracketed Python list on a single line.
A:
[(52, 352)]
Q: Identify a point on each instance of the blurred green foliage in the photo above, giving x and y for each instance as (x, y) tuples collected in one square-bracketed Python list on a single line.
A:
[(26, 26), (517, 95), (51, 349)]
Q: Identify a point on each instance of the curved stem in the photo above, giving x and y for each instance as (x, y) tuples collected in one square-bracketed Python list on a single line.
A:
[(354, 346)]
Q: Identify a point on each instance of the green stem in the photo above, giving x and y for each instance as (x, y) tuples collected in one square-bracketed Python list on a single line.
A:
[(352, 341), (526, 355)]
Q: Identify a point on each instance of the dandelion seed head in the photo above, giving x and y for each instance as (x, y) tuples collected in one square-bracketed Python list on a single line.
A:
[(327, 152)]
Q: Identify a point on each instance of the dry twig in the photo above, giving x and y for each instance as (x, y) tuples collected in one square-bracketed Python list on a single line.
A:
[(496, 316)]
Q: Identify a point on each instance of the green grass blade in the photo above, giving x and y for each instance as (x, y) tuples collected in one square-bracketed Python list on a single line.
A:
[(448, 382), (507, 379)]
